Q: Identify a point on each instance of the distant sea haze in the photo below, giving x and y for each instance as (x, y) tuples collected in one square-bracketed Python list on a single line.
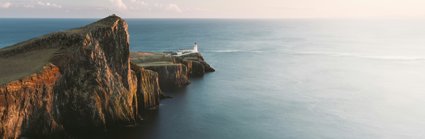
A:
[(277, 79)]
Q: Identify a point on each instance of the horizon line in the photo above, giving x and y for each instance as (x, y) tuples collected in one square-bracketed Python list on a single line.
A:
[(240, 18)]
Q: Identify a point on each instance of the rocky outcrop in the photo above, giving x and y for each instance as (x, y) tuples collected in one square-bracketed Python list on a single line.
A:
[(148, 88), (171, 75), (27, 106), (97, 89), (196, 64), (173, 71), (86, 84)]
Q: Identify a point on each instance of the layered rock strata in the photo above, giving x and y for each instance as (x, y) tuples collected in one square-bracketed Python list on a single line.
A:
[(173, 71), (148, 89)]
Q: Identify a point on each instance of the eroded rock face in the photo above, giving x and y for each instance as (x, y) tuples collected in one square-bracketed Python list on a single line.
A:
[(97, 88), (171, 75), (27, 106), (196, 64), (173, 71), (148, 91), (86, 87)]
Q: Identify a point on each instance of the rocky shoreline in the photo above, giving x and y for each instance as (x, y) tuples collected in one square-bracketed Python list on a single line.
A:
[(173, 71), (85, 81)]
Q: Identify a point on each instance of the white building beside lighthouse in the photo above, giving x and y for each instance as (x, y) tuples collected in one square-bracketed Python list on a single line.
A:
[(188, 51)]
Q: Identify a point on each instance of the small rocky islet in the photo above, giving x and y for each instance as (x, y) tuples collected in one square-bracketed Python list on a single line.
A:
[(85, 81)]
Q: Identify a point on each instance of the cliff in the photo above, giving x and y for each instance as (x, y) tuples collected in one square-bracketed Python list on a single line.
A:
[(82, 82), (171, 75), (173, 71), (148, 89), (72, 83), (196, 64), (26, 105)]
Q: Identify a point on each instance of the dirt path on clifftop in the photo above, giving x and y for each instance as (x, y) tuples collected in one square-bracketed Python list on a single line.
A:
[(23, 64)]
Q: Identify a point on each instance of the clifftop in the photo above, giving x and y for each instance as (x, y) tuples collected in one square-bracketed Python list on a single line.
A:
[(110, 22), (28, 57)]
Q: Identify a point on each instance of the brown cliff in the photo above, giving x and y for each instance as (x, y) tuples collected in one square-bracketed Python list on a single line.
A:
[(173, 71), (81, 81), (26, 105), (196, 64), (148, 89), (71, 83), (171, 75)]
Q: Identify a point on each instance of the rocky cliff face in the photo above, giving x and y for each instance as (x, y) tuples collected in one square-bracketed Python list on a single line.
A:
[(148, 88), (27, 106), (173, 71), (85, 86), (171, 75), (195, 63), (97, 89)]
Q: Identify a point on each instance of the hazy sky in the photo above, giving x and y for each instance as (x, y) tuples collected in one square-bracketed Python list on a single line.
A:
[(213, 8)]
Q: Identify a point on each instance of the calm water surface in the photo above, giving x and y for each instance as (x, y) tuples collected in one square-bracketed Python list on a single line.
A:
[(295, 79)]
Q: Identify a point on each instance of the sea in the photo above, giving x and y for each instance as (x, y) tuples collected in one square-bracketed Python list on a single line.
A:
[(279, 78)]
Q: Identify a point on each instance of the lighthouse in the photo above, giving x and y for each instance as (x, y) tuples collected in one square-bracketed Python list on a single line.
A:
[(195, 48)]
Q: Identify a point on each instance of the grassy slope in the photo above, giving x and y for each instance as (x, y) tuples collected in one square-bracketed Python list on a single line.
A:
[(24, 64), (28, 61)]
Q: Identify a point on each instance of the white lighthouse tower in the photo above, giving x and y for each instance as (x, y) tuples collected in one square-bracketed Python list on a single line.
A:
[(195, 48)]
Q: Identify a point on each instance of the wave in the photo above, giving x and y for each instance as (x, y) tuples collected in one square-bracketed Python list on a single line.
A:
[(234, 51), (331, 54), (394, 58)]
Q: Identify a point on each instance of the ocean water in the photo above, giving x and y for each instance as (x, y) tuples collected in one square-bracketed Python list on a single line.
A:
[(280, 79)]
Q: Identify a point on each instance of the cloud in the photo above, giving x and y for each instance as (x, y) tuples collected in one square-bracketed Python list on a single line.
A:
[(154, 7), (30, 4), (196, 10), (5, 5), (173, 8), (139, 2), (119, 4), (45, 4), (138, 5)]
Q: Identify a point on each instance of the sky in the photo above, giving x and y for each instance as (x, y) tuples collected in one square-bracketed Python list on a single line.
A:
[(212, 8)]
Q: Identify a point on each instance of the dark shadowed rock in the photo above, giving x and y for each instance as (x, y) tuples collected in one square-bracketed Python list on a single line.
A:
[(148, 89), (197, 64), (171, 75), (196, 68), (173, 71)]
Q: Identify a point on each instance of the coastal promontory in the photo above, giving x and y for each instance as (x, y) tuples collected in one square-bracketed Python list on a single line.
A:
[(83, 81)]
